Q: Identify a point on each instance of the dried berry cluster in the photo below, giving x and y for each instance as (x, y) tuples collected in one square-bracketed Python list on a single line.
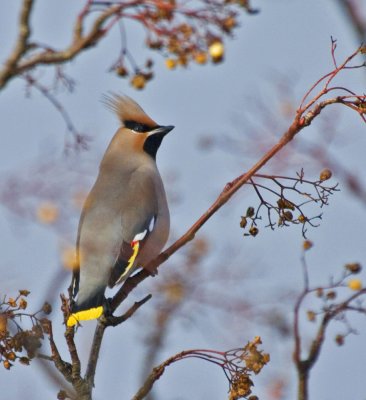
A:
[(336, 300), (181, 32), (241, 365), (17, 343), (275, 194)]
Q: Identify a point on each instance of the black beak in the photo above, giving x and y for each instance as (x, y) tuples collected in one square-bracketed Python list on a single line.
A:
[(161, 130)]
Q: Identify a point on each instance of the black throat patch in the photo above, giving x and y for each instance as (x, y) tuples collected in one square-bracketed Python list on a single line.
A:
[(152, 144)]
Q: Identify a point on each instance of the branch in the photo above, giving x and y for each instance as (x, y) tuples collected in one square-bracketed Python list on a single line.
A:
[(330, 312), (94, 353), (60, 364), (237, 364), (69, 336), (114, 321), (16, 65), (80, 140), (21, 45), (303, 118), (229, 190), (103, 323), (300, 121), (329, 316), (156, 373)]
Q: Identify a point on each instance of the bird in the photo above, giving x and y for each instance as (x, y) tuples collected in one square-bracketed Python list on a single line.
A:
[(125, 219)]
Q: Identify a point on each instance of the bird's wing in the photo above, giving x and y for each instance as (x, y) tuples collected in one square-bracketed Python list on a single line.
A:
[(138, 221), (125, 262)]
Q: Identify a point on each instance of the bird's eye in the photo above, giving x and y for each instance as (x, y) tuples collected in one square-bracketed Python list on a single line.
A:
[(140, 128), (136, 126)]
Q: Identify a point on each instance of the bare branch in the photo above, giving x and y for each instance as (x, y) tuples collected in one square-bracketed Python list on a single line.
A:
[(303, 118), (61, 365), (79, 43), (80, 139), (237, 365), (329, 313), (300, 121), (21, 45), (94, 354), (103, 323), (114, 321)]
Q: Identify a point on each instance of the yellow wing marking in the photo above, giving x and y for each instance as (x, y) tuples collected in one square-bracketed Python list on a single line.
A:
[(135, 246)]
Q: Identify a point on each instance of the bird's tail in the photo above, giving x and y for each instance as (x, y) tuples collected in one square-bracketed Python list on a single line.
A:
[(91, 308)]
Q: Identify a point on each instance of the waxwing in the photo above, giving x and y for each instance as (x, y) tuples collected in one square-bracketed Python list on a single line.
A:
[(125, 219)]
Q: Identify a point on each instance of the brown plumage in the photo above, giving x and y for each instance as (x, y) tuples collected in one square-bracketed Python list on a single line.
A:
[(125, 219), (127, 109)]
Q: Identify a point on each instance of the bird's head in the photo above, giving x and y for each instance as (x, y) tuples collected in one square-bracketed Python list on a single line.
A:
[(139, 133)]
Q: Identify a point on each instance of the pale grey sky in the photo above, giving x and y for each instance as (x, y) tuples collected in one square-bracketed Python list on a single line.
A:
[(288, 38)]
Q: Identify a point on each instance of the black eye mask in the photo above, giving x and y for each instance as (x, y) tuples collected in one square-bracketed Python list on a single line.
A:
[(138, 127)]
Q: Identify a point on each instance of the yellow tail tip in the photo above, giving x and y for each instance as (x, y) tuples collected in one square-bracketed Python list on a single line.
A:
[(85, 315)]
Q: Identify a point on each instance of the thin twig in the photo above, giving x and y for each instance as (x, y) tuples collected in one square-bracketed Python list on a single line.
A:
[(81, 141), (114, 321)]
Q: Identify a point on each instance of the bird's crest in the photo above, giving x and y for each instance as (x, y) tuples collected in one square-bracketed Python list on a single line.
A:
[(127, 109)]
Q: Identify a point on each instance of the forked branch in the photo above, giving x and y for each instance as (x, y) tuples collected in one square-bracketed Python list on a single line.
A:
[(303, 118)]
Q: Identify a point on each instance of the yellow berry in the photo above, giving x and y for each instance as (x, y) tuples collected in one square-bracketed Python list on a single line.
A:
[(229, 23), (354, 284), (7, 364), (47, 213), (216, 51), (307, 245), (11, 356), (170, 63), (68, 258), (138, 81), (200, 58)]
